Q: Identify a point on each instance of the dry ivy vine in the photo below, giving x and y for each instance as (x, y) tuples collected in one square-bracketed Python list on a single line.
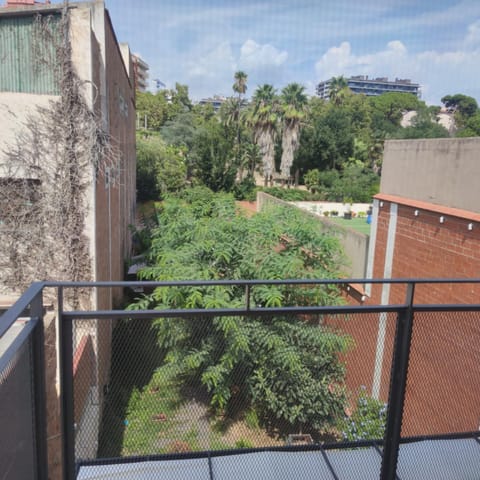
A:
[(59, 152)]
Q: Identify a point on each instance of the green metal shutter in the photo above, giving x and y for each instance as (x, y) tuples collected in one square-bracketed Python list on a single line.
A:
[(28, 59)]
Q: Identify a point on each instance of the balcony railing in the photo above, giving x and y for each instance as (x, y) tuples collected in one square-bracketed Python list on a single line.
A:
[(125, 415)]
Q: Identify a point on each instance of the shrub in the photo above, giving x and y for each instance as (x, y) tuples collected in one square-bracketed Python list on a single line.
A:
[(243, 443), (367, 421)]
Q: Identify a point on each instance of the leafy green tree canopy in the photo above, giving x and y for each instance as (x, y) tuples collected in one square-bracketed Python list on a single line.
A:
[(152, 110), (285, 368), (392, 105), (160, 168), (463, 104)]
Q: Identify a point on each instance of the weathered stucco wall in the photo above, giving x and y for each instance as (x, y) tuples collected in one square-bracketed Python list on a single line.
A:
[(443, 171)]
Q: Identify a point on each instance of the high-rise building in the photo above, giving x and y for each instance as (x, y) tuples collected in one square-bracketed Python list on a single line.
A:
[(372, 86), (140, 71)]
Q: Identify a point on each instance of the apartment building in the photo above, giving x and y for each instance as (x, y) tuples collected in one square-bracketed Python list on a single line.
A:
[(361, 84)]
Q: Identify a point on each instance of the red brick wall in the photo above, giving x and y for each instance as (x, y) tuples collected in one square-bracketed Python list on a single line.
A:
[(426, 248), (444, 372)]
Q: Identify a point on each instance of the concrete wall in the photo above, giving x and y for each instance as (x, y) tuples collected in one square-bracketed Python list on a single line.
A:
[(443, 171), (354, 244)]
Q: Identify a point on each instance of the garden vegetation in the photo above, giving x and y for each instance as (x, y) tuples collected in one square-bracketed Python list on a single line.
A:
[(285, 369)]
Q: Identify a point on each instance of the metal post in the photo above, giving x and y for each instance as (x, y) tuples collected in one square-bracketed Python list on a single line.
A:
[(398, 383), (66, 391), (38, 356)]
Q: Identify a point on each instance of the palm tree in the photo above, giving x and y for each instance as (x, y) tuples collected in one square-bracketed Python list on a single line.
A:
[(229, 112), (337, 86), (250, 158), (239, 87), (263, 118), (294, 101)]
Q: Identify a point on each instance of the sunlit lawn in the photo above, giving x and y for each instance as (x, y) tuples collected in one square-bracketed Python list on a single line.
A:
[(358, 224)]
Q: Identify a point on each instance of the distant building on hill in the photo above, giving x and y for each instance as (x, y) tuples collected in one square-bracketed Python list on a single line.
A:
[(216, 102), (371, 87)]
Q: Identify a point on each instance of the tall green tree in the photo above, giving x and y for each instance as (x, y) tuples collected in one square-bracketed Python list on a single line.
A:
[(263, 119), (161, 169), (212, 156), (337, 89), (178, 100), (392, 105), (465, 109), (293, 103), (240, 85), (247, 363), (463, 104), (152, 110), (471, 127), (326, 142)]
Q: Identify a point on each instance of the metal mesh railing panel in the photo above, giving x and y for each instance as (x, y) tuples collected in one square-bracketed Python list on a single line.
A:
[(443, 383), (17, 438), (299, 380)]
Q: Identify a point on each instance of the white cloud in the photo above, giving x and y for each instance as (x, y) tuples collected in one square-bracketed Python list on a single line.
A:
[(472, 39), (213, 68), (254, 55), (342, 61), (213, 62), (439, 73)]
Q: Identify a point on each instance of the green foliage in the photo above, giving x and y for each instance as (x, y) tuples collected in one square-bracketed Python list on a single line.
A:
[(463, 106), (212, 156), (288, 194), (338, 89), (251, 419), (160, 168), (424, 125), (326, 142), (290, 133), (472, 126), (283, 368), (152, 110), (312, 178), (245, 189), (392, 105), (243, 443), (367, 421), (354, 181), (181, 130)]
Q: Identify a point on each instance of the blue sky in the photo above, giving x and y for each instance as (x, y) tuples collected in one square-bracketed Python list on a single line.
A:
[(202, 43)]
